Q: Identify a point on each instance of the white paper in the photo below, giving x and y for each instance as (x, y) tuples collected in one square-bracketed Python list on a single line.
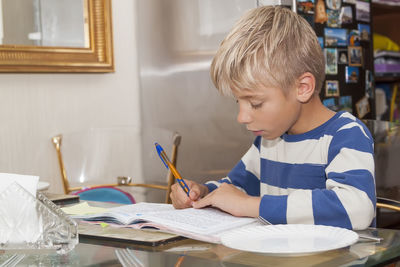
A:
[(28, 182)]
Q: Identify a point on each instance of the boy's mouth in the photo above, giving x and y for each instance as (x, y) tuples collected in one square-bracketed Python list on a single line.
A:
[(258, 132)]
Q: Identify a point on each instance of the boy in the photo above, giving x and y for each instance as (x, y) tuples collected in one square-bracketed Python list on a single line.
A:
[(307, 164)]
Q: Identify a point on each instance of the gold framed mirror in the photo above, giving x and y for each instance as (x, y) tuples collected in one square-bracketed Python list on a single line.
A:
[(96, 55)]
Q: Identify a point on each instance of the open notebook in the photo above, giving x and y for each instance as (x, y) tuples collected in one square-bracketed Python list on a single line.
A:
[(201, 224)]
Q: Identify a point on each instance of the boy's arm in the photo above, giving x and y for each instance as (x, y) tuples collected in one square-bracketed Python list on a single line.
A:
[(350, 178), (239, 192), (349, 198), (246, 174), (232, 200)]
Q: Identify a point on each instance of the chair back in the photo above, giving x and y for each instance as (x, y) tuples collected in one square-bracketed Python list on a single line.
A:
[(176, 141), (106, 157), (387, 154), (99, 155)]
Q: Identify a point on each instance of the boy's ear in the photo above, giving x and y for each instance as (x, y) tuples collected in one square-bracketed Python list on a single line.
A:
[(305, 87)]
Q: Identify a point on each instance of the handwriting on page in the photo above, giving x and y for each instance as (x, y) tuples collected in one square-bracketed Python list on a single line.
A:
[(129, 213), (198, 220), (188, 222)]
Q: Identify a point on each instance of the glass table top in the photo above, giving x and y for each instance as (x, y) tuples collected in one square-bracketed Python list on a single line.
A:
[(95, 252)]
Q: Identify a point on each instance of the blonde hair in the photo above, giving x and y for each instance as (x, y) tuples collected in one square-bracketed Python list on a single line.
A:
[(270, 45)]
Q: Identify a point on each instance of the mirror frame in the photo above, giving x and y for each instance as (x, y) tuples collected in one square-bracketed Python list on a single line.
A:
[(97, 58)]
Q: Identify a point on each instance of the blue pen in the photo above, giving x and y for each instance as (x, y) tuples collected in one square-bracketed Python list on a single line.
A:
[(170, 166)]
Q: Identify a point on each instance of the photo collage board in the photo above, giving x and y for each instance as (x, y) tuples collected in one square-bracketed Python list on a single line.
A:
[(344, 32)]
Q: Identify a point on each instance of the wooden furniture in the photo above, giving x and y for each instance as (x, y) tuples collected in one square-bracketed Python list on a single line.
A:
[(385, 20)]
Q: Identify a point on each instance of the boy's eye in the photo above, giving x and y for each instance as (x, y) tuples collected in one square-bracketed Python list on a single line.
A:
[(256, 106)]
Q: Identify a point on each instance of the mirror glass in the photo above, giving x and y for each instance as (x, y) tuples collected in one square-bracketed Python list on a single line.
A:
[(50, 23)]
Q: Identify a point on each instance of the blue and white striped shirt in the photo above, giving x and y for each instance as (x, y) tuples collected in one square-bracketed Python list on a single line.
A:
[(324, 176)]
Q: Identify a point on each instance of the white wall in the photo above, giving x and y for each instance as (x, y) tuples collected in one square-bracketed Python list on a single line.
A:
[(34, 107), (177, 40)]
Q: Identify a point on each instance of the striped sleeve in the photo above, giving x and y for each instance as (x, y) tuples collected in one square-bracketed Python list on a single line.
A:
[(350, 183), (246, 174), (348, 199)]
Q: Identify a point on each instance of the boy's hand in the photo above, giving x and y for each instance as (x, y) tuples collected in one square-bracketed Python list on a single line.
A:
[(232, 200), (179, 198)]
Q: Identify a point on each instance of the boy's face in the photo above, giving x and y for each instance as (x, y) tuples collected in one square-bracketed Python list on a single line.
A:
[(267, 111)]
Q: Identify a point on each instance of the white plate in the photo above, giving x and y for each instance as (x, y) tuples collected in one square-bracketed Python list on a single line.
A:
[(42, 186), (289, 239)]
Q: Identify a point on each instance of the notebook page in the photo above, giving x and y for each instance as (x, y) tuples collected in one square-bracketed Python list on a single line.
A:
[(127, 214), (199, 221)]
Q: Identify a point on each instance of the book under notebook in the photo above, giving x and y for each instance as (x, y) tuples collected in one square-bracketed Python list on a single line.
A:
[(202, 224)]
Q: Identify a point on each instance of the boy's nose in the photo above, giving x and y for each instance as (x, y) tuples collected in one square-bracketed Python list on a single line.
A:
[(243, 116)]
